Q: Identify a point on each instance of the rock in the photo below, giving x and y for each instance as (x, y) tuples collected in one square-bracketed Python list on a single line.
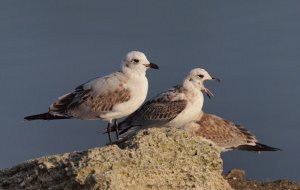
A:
[(153, 159), (236, 179), (236, 174)]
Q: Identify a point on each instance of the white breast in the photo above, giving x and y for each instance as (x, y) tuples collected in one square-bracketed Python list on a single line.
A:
[(138, 88), (190, 113)]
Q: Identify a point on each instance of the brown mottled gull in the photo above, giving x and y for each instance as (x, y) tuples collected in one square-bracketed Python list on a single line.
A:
[(175, 107), (107, 98), (224, 134)]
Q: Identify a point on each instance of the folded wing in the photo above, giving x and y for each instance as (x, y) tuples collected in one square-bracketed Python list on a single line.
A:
[(157, 111)]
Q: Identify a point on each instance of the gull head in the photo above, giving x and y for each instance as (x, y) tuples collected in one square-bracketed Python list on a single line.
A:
[(196, 79), (137, 62)]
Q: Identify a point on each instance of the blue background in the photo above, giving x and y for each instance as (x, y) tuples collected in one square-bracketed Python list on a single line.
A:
[(47, 48)]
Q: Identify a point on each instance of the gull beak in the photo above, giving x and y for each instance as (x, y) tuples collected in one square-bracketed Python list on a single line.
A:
[(208, 93), (216, 79), (152, 65)]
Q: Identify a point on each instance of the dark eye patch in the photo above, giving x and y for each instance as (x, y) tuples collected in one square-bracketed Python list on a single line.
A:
[(201, 76), (136, 60)]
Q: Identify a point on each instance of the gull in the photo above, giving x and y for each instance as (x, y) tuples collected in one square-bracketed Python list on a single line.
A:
[(225, 134), (175, 107), (106, 98)]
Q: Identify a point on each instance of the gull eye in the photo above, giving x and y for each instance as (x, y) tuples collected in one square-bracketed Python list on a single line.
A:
[(136, 60), (201, 76)]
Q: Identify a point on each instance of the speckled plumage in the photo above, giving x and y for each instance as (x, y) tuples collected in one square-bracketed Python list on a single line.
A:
[(107, 98), (174, 107), (158, 110), (225, 134)]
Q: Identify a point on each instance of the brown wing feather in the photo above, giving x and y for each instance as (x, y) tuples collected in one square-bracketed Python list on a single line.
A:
[(153, 112), (223, 132), (105, 102), (60, 107), (227, 134), (100, 103), (162, 111)]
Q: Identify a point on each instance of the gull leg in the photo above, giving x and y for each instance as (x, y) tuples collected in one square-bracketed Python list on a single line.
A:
[(117, 129), (108, 131)]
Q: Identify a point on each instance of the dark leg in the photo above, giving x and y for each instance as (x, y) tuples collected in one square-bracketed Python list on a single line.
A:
[(116, 129), (108, 131)]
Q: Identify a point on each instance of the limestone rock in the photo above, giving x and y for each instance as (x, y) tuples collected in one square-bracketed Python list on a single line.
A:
[(152, 159), (237, 180)]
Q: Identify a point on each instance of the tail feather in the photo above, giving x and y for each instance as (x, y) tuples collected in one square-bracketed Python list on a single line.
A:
[(125, 130), (257, 148), (45, 116)]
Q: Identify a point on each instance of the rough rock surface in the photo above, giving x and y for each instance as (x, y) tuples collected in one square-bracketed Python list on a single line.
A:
[(152, 159), (236, 179)]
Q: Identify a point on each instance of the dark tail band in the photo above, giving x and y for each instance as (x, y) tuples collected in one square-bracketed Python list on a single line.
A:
[(45, 116), (257, 148)]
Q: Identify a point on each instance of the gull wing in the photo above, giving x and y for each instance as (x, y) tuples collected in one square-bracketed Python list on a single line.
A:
[(157, 111), (228, 135), (222, 132), (92, 98)]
